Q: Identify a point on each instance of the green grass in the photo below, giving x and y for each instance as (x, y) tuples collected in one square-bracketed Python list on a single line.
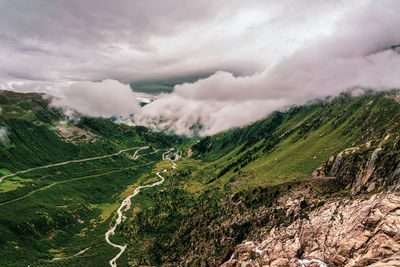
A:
[(4, 172), (13, 183), (254, 165), (94, 198), (53, 202), (106, 209), (291, 145)]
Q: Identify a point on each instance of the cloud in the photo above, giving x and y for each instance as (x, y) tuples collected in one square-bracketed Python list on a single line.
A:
[(223, 101), (105, 98), (266, 55), (326, 66), (124, 40), (189, 116)]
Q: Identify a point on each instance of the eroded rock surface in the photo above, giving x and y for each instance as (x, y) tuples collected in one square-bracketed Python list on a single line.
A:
[(342, 232)]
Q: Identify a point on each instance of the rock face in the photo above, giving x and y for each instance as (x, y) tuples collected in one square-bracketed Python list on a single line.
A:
[(358, 232), (357, 229), (367, 166)]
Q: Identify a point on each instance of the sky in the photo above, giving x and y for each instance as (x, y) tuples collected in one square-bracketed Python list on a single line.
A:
[(263, 55)]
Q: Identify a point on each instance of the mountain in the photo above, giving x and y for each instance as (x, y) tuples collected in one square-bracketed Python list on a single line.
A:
[(311, 185), (45, 213), (245, 192)]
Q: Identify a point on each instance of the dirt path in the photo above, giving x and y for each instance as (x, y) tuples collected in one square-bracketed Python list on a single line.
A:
[(77, 178), (77, 161), (76, 254)]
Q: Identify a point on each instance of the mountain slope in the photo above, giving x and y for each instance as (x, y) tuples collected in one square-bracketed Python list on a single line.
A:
[(37, 133), (58, 211), (290, 145), (291, 176), (240, 183)]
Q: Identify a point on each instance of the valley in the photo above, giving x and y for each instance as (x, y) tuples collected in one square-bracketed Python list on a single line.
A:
[(57, 213), (127, 203), (199, 133), (76, 161), (230, 199)]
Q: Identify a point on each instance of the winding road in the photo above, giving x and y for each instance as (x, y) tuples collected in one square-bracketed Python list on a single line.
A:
[(77, 161), (126, 202)]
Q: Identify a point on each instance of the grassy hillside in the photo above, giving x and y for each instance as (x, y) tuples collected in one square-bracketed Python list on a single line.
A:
[(234, 181), (229, 185), (59, 211), (37, 133), (291, 145)]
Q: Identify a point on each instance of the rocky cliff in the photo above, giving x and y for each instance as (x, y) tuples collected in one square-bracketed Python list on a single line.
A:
[(373, 164), (359, 228), (352, 232)]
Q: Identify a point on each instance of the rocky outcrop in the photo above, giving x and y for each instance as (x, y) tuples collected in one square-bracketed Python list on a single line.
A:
[(342, 232), (360, 229), (365, 167)]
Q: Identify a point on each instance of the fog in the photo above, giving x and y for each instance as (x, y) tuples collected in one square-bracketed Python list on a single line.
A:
[(265, 55), (326, 66), (99, 99)]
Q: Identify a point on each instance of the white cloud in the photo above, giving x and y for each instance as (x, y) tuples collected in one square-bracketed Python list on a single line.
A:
[(324, 67), (286, 51), (105, 98), (223, 101), (184, 115), (94, 40)]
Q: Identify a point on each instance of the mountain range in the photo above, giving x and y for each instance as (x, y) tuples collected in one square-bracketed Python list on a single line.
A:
[(311, 185)]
